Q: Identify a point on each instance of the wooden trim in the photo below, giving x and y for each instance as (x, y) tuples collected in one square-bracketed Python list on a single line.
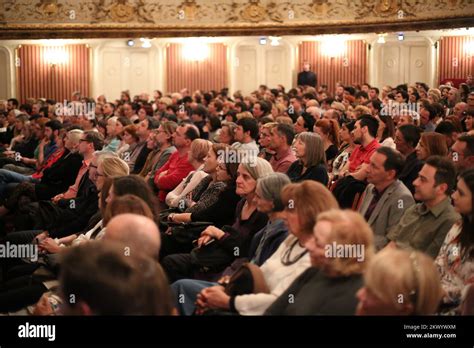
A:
[(75, 31)]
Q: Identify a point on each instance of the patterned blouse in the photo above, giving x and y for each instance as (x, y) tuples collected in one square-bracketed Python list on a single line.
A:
[(456, 271)]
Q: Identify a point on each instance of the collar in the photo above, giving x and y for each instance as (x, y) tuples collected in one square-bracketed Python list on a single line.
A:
[(437, 210), (370, 145), (279, 156)]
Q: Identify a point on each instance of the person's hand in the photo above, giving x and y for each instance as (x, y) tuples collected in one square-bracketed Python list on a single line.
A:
[(40, 237), (203, 240), (50, 246), (162, 174), (43, 307), (57, 198), (213, 232), (215, 297)]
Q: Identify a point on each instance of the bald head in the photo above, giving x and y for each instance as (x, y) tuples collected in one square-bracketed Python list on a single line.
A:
[(137, 232)]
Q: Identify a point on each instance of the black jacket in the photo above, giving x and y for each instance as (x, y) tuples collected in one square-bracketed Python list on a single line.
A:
[(59, 176), (307, 78)]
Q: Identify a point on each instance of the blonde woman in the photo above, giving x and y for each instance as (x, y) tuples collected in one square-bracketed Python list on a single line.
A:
[(199, 151), (400, 282), (340, 249)]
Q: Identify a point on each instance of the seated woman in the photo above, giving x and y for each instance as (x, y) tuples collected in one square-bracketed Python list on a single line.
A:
[(199, 151), (330, 285), (303, 204), (311, 163), (130, 151), (328, 130), (400, 282), (228, 239), (431, 144), (345, 150), (455, 260), (212, 201), (264, 243)]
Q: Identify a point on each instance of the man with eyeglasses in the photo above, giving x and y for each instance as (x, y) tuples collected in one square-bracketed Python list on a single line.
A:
[(90, 141)]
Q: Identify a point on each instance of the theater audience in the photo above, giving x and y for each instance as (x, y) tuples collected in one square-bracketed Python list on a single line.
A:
[(229, 239), (329, 286), (400, 282), (264, 243), (424, 226), (303, 203)]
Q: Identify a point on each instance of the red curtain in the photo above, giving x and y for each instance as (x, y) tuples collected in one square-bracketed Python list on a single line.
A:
[(52, 72), (349, 66), (456, 59), (207, 74)]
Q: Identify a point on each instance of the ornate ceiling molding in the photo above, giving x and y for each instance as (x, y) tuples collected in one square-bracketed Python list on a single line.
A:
[(22, 19)]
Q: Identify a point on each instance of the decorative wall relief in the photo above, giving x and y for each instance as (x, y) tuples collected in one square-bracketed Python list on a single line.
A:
[(226, 17)]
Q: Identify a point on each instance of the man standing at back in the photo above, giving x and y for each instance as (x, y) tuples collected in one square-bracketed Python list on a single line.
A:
[(307, 77)]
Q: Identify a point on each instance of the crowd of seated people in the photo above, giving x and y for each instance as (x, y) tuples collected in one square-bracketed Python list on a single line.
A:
[(357, 201)]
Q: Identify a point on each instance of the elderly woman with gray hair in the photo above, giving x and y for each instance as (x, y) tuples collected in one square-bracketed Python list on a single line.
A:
[(264, 243)]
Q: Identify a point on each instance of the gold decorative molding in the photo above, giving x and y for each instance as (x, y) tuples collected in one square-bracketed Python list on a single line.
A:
[(122, 18)]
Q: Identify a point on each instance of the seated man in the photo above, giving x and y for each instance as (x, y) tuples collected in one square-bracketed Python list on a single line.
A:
[(281, 138), (424, 226), (386, 198), (97, 278), (177, 167)]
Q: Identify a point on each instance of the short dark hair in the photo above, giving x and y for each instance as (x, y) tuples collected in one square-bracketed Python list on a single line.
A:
[(370, 122), (95, 138), (107, 280), (445, 128), (394, 159), (362, 94), (55, 125), (14, 101), (152, 123), (215, 123), (403, 93), (191, 131), (26, 108), (249, 125), (411, 134), (469, 140), (242, 105), (287, 131), (308, 121), (445, 172), (265, 106), (431, 110), (376, 90), (377, 104), (200, 110)]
